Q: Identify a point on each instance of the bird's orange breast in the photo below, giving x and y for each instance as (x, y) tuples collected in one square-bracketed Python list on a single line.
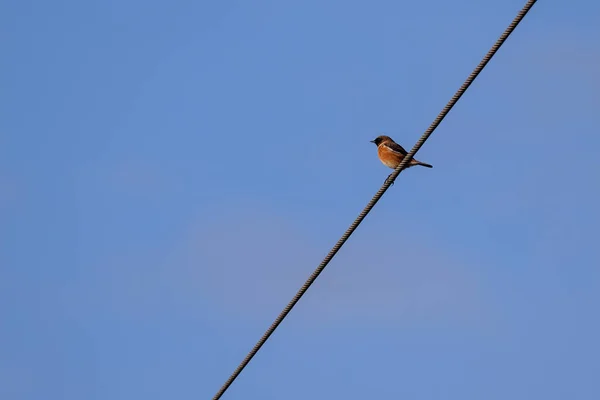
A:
[(388, 157)]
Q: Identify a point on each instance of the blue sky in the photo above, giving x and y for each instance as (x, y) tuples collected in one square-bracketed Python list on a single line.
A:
[(172, 172)]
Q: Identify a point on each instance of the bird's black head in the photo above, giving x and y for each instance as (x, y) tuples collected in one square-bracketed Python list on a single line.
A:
[(380, 139)]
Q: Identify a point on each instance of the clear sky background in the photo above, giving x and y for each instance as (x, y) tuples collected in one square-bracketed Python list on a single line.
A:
[(172, 172)]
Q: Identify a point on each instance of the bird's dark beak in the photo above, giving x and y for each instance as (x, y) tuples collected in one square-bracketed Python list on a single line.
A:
[(372, 141)]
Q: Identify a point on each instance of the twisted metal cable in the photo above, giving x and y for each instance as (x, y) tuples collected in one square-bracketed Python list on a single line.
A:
[(377, 196)]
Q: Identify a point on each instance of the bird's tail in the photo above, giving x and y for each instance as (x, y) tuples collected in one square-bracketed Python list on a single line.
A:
[(423, 164)]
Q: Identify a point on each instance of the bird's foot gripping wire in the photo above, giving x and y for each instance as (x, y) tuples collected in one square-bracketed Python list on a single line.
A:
[(388, 179)]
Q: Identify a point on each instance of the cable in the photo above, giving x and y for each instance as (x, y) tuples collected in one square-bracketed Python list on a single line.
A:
[(377, 196)]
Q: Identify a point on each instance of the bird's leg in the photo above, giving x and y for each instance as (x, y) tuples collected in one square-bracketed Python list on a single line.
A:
[(386, 179)]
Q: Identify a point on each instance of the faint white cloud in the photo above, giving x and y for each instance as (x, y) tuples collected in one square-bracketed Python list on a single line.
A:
[(251, 263)]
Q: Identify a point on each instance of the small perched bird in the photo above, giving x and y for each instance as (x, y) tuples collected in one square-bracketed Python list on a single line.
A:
[(391, 154)]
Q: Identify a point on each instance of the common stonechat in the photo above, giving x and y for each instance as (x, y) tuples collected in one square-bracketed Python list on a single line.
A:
[(391, 153)]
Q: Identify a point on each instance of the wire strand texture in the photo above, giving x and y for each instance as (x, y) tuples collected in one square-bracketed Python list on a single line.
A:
[(378, 195)]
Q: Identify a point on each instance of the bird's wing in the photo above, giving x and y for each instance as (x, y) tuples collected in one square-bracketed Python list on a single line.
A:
[(396, 148)]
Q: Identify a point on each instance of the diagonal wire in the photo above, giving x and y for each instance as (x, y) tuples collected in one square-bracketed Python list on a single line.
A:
[(377, 196)]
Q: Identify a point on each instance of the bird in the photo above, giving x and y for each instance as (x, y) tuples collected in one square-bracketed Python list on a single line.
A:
[(391, 153)]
